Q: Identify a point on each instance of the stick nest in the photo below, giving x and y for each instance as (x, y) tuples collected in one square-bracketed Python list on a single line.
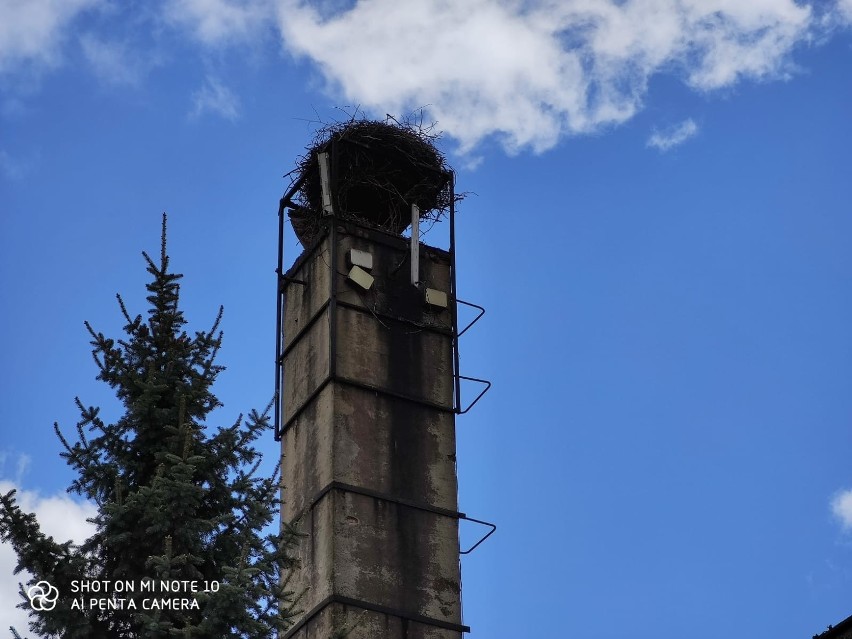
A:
[(379, 169)]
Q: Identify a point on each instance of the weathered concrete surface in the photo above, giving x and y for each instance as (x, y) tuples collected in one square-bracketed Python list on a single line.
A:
[(307, 454), (306, 366), (304, 301), (395, 356), (400, 556), (366, 624), (395, 447), (357, 430)]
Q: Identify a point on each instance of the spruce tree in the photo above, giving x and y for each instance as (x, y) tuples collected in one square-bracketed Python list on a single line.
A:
[(176, 499)]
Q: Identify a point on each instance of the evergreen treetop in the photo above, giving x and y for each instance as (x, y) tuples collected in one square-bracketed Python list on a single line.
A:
[(177, 500)]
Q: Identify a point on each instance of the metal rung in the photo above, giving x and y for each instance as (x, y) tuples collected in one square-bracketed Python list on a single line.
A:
[(487, 535), (478, 397), (475, 319)]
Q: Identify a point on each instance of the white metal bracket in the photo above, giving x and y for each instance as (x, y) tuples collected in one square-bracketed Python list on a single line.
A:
[(324, 184), (415, 245)]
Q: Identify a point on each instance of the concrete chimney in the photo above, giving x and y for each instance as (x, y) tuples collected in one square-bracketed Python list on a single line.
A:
[(367, 427)]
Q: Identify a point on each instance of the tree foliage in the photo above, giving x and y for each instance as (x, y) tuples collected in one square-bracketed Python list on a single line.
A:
[(177, 500)]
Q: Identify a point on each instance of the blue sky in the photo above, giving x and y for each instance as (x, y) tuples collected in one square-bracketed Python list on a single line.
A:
[(659, 226)]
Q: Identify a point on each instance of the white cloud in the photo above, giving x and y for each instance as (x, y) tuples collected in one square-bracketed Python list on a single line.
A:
[(60, 517), (844, 9), (114, 62), (673, 136), (215, 22), (841, 507), (22, 466), (32, 31), (532, 72), (526, 72), (215, 98)]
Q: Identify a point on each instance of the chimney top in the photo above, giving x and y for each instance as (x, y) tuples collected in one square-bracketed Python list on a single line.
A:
[(378, 170)]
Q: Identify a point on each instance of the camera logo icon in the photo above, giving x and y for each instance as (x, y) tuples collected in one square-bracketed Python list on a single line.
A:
[(42, 596)]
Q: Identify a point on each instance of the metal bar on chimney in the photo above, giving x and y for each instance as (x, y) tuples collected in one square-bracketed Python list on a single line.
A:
[(415, 244), (322, 158), (279, 320)]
